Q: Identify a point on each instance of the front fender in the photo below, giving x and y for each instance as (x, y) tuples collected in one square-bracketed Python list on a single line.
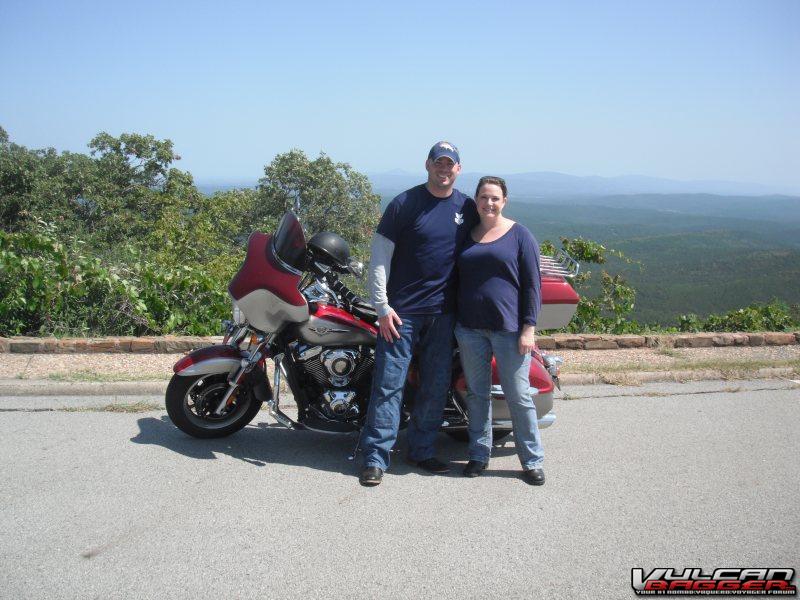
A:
[(212, 359)]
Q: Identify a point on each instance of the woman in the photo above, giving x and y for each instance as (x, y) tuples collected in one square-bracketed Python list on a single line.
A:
[(499, 296)]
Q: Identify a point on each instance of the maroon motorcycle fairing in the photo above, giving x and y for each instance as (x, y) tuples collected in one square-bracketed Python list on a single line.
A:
[(265, 290), (261, 270)]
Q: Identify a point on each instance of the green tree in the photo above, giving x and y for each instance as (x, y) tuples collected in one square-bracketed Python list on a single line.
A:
[(332, 197), (40, 184)]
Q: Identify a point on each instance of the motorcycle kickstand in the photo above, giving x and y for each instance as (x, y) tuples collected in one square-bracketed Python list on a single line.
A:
[(356, 449)]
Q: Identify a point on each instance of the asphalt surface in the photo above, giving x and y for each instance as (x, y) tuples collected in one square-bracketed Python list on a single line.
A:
[(110, 505)]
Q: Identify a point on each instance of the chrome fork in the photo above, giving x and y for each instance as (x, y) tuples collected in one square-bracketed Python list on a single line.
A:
[(275, 403)]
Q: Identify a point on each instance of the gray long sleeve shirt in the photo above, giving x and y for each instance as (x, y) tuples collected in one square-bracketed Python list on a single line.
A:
[(380, 264)]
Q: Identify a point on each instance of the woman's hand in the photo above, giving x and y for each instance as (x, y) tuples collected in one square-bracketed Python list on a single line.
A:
[(527, 339)]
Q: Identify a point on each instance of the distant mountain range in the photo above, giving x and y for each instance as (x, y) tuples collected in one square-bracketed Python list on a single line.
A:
[(550, 184), (547, 184)]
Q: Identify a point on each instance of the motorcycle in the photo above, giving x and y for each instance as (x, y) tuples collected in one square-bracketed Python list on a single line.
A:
[(291, 308)]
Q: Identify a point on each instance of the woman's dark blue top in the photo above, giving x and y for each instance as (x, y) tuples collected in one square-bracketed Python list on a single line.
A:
[(499, 286)]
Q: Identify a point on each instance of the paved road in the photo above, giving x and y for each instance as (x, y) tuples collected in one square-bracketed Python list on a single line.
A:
[(108, 505)]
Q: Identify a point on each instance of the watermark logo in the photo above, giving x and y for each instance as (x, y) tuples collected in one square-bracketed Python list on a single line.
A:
[(721, 582)]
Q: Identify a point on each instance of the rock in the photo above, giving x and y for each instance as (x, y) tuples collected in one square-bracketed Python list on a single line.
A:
[(125, 343), (82, 345), (630, 341), (143, 344), (66, 346), (27, 345), (600, 345), (723, 339), (740, 339), (695, 340), (587, 337), (5, 344), (104, 345), (779, 339), (169, 344), (660, 341), (572, 342), (755, 339), (545, 342)]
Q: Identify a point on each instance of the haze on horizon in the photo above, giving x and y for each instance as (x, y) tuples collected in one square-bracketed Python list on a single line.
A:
[(680, 90)]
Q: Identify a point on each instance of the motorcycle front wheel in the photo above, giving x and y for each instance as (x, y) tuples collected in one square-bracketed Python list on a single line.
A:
[(191, 402)]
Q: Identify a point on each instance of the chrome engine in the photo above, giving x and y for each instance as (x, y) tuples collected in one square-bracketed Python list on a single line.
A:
[(340, 376), (340, 365)]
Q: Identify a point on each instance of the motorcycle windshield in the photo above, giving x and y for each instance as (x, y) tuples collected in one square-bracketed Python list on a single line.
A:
[(289, 244)]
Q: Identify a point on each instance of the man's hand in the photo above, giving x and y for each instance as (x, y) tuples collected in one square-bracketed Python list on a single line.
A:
[(387, 326), (527, 339)]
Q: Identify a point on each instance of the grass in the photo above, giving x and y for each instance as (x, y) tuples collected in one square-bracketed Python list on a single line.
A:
[(736, 365)]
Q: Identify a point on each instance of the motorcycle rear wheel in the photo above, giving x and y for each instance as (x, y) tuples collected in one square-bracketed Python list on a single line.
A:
[(462, 435), (191, 401)]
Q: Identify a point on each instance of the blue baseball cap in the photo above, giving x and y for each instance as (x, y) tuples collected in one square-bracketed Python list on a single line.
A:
[(444, 149)]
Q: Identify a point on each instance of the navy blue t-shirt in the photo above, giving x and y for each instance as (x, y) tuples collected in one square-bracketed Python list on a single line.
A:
[(499, 285), (428, 233)]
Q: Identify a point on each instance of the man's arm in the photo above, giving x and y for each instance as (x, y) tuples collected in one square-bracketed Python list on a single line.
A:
[(380, 264)]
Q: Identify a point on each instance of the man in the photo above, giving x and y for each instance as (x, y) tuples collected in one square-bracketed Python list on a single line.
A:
[(412, 286)]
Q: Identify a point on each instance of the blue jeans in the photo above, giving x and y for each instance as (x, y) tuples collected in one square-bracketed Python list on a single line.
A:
[(476, 347), (434, 336)]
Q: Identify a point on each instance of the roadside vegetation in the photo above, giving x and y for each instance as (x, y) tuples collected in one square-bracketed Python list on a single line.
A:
[(121, 242)]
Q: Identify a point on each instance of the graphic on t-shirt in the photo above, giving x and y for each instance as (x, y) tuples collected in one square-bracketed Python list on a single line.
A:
[(459, 219)]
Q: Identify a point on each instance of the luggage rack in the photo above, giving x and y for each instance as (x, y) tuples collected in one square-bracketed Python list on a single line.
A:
[(560, 264)]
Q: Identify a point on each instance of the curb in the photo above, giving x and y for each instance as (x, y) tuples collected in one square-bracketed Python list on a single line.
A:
[(39, 387), (44, 387), (176, 344)]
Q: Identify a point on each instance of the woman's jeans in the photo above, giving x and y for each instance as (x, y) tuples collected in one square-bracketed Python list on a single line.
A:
[(433, 336), (476, 347)]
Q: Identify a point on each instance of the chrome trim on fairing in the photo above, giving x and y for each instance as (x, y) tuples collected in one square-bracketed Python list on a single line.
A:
[(497, 391), (212, 365)]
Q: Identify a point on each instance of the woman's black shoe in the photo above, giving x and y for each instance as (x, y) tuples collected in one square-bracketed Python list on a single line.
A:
[(370, 476), (474, 468)]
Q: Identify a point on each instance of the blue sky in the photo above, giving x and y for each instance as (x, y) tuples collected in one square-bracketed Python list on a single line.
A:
[(684, 90)]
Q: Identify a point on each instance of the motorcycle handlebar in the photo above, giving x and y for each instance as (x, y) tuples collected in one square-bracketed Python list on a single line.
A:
[(340, 288), (328, 274)]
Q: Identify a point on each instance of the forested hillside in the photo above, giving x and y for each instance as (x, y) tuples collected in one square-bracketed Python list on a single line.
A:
[(120, 241), (685, 262)]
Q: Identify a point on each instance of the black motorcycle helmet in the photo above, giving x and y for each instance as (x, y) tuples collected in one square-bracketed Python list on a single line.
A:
[(329, 249)]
